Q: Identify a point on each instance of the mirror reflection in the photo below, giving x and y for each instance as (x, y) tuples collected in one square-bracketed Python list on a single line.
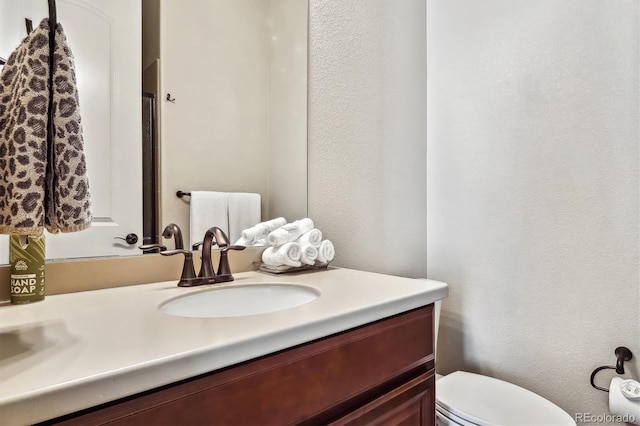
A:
[(235, 74)]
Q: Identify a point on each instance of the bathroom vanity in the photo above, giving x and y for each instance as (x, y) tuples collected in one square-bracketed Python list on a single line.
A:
[(361, 352)]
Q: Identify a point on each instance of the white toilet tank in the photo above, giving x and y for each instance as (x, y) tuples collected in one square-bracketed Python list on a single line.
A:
[(470, 399)]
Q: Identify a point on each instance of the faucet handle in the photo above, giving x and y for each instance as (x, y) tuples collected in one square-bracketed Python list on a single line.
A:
[(188, 276), (224, 270), (151, 247), (176, 251), (196, 246)]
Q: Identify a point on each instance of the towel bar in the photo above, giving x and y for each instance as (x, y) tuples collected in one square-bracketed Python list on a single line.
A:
[(181, 194)]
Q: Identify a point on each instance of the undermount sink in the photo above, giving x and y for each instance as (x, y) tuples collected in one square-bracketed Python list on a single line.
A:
[(241, 300)]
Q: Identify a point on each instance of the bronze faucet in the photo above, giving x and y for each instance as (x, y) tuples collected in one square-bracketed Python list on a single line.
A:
[(207, 275)]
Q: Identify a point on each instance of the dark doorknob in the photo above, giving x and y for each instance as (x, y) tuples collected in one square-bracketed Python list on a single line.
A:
[(130, 238)]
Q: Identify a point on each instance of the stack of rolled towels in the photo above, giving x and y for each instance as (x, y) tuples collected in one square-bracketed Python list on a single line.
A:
[(257, 234), (292, 244)]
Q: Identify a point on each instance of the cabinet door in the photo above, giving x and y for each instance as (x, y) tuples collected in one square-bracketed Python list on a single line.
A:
[(409, 404), (382, 370)]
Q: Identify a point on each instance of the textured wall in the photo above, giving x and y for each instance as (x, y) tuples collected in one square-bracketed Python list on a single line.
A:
[(366, 146), (533, 172)]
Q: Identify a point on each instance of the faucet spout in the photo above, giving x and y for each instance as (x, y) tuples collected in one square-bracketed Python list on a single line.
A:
[(221, 239), (173, 230), (206, 270)]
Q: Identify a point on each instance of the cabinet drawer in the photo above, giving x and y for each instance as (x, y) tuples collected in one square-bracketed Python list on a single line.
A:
[(287, 387), (409, 404)]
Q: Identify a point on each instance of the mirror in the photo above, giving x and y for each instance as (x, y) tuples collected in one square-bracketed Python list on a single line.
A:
[(236, 73)]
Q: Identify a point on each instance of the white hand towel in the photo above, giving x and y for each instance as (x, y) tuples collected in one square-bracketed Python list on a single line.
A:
[(207, 209), (287, 254), (244, 212), (326, 252), (309, 254), (313, 238), (261, 230), (289, 232)]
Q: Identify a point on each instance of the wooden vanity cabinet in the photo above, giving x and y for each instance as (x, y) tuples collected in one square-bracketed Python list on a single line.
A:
[(380, 373)]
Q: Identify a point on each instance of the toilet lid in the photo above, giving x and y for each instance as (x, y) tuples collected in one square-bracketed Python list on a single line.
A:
[(487, 401)]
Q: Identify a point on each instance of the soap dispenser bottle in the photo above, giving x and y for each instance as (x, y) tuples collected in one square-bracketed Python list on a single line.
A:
[(27, 268)]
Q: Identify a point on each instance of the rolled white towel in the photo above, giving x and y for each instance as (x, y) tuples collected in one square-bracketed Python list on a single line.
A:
[(326, 252), (289, 232), (255, 233), (261, 230), (274, 224), (309, 254), (287, 254), (242, 242), (313, 238)]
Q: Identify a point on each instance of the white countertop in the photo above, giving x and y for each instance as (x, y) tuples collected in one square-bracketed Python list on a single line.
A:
[(77, 350)]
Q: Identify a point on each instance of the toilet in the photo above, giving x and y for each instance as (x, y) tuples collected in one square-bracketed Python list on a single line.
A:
[(470, 399)]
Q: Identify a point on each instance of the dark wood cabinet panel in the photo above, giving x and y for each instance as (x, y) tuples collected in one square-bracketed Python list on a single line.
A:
[(412, 403), (378, 373)]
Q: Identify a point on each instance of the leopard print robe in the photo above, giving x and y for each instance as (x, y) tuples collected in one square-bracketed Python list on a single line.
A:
[(32, 195)]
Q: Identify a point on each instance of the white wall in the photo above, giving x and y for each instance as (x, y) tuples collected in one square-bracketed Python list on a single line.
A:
[(214, 59), (235, 109), (533, 174), (366, 146)]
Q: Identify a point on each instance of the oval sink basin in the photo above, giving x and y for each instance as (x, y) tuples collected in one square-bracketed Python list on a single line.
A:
[(239, 300)]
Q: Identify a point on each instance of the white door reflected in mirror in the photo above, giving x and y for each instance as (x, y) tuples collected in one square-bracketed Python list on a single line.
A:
[(108, 77)]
